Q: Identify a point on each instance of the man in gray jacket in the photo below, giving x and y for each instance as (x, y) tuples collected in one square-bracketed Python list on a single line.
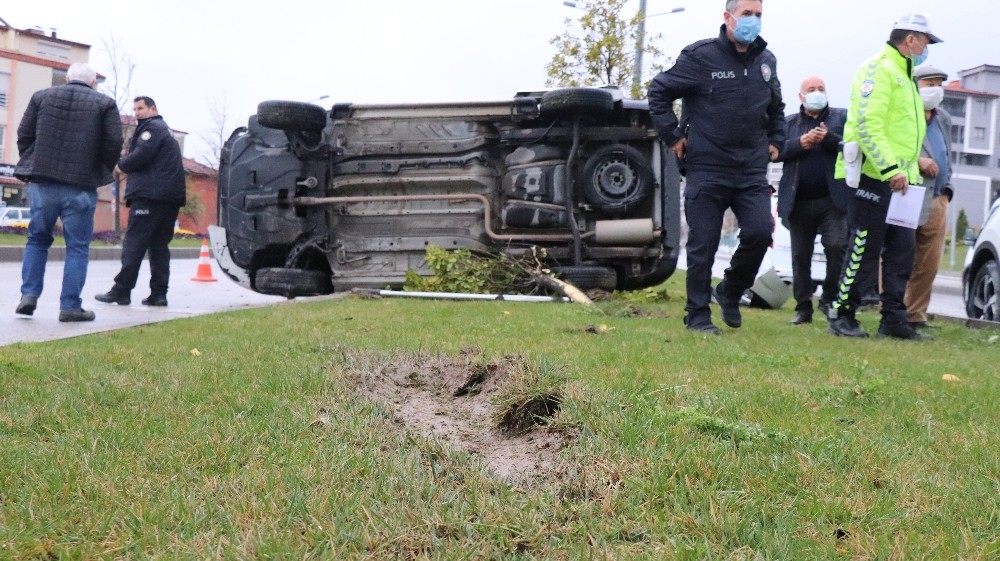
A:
[(935, 166), (70, 139)]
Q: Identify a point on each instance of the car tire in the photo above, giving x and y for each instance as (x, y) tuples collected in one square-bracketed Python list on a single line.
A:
[(576, 102), (617, 179), (292, 282), (983, 303), (291, 116), (586, 277)]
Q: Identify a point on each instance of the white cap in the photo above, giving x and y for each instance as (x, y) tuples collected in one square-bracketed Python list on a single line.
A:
[(917, 22)]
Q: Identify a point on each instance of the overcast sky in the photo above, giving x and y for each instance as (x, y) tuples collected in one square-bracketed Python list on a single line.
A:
[(188, 54)]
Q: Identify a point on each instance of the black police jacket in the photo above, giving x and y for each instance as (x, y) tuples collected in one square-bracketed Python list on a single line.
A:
[(153, 164), (792, 153), (732, 106), (69, 134)]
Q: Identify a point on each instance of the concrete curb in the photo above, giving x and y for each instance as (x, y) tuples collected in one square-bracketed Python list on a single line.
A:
[(15, 254)]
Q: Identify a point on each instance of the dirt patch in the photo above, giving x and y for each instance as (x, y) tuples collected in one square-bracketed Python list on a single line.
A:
[(472, 405)]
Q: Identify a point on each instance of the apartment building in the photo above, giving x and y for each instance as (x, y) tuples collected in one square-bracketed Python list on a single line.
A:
[(30, 60), (973, 100)]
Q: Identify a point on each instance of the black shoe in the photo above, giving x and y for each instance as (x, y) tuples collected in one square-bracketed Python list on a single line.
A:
[(26, 306), (154, 300), (114, 297), (923, 325), (730, 307), (901, 331), (846, 327), (824, 308), (704, 326), (76, 315), (801, 317)]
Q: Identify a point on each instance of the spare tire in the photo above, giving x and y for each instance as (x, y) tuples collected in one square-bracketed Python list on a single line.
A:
[(291, 116), (576, 102), (588, 276), (616, 179), (292, 282)]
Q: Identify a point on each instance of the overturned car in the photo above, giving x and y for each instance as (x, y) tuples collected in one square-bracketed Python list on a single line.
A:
[(314, 201)]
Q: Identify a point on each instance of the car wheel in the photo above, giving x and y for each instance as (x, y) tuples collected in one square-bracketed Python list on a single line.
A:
[(983, 303), (582, 102), (616, 179), (292, 282), (291, 116), (588, 276)]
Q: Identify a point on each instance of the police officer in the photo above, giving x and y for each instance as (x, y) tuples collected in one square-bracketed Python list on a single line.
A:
[(734, 126), (154, 193), (886, 120)]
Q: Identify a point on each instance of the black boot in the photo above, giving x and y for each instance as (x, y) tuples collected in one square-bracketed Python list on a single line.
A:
[(114, 296)]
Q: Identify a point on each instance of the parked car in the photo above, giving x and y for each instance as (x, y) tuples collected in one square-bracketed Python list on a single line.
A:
[(14, 216), (981, 275), (314, 201)]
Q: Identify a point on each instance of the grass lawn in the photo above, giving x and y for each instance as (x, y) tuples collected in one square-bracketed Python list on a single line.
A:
[(202, 438), (59, 241)]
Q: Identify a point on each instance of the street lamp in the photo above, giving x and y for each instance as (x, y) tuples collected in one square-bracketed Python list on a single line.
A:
[(640, 41)]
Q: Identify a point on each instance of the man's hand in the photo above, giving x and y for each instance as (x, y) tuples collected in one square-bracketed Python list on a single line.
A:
[(928, 167), (899, 183), (680, 148), (812, 138), (773, 150)]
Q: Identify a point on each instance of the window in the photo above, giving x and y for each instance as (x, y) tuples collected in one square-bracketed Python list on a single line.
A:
[(981, 106), (4, 88), (958, 134), (979, 160), (58, 77), (53, 50), (3, 132), (956, 107), (979, 133)]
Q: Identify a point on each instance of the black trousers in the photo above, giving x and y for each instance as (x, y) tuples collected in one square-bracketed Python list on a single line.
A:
[(150, 229), (869, 239), (808, 219), (706, 198)]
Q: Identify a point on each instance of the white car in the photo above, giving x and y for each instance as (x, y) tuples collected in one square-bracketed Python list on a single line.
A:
[(14, 216), (981, 276)]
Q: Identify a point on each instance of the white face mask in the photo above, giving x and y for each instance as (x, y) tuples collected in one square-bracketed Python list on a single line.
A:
[(815, 101), (932, 96)]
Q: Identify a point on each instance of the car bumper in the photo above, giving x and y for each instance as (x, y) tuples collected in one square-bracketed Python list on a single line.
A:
[(220, 248)]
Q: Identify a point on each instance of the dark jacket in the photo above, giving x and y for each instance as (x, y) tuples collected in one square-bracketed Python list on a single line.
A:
[(797, 125), (153, 164), (732, 106), (69, 134)]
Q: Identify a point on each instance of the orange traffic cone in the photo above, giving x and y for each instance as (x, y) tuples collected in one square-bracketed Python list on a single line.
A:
[(204, 273)]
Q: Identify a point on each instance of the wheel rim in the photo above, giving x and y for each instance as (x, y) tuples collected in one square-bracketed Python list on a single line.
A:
[(985, 299), (616, 178)]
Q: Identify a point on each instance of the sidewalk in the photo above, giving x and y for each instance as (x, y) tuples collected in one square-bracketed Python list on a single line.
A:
[(187, 298), (15, 253)]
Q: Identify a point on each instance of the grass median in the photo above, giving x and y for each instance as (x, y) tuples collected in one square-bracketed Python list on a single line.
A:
[(285, 432)]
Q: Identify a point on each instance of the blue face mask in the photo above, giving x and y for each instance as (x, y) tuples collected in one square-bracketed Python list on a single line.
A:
[(747, 29), (921, 58)]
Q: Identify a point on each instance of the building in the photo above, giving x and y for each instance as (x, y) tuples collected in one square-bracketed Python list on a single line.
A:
[(974, 104), (30, 60)]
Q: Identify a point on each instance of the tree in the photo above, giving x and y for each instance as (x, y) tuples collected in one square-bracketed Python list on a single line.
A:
[(118, 85), (605, 52), (118, 82), (216, 135)]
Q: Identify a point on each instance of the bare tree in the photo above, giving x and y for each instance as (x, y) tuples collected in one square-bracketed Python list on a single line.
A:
[(215, 136), (118, 84)]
